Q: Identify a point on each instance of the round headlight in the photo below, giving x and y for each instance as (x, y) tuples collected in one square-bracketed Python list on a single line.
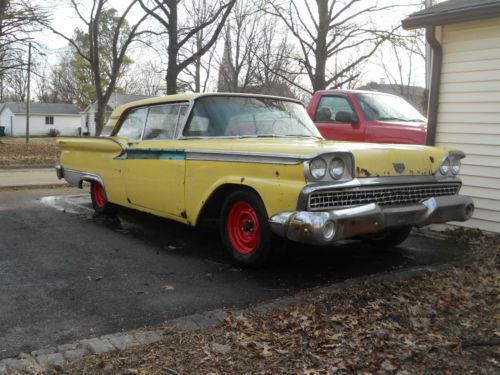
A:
[(445, 167), (337, 168), (455, 166), (317, 167)]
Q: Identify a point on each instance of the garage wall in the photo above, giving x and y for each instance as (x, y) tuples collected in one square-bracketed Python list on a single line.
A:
[(469, 112)]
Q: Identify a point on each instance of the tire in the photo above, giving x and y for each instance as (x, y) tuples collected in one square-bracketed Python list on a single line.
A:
[(100, 201), (389, 238), (244, 227)]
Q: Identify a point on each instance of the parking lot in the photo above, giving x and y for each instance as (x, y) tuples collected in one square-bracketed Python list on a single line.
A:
[(68, 275)]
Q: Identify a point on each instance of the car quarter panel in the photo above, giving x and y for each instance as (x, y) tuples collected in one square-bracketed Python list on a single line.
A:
[(96, 156)]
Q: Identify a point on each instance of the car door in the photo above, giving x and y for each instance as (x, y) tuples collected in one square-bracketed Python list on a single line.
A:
[(328, 107), (154, 165)]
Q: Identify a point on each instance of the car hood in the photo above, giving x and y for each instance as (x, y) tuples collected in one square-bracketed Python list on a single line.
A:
[(370, 159)]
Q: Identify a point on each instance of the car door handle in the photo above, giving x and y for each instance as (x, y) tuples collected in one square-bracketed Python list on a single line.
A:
[(132, 143)]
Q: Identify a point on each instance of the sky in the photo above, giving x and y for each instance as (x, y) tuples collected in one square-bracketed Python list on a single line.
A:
[(65, 21)]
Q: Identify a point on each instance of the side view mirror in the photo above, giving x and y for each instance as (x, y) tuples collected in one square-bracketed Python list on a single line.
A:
[(348, 117)]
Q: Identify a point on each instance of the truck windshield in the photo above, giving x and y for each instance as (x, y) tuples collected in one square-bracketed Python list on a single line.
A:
[(384, 107), (241, 116)]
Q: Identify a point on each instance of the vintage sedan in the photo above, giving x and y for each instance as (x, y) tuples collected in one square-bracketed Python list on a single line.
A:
[(259, 165)]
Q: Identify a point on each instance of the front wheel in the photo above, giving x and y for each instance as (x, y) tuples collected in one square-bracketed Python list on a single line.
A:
[(389, 238), (100, 200), (245, 229)]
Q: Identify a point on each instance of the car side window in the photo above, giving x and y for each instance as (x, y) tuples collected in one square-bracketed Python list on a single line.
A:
[(329, 106), (199, 124), (162, 121), (133, 124)]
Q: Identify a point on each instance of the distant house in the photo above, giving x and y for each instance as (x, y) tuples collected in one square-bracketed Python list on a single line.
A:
[(415, 95), (464, 102), (44, 117), (88, 116)]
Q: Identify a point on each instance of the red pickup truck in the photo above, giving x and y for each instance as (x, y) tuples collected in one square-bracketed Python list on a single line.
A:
[(366, 116)]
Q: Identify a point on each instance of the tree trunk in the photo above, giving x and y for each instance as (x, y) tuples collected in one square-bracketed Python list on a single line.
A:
[(197, 73), (172, 67), (321, 52)]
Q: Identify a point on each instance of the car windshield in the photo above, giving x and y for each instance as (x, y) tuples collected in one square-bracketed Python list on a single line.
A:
[(241, 116), (383, 107)]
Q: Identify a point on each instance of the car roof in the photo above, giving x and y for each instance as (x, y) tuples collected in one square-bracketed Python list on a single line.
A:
[(189, 97), (345, 91)]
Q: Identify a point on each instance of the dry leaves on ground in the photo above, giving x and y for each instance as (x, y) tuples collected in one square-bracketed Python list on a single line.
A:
[(39, 152), (441, 323)]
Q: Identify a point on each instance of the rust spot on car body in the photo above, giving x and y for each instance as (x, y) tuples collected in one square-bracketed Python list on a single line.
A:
[(363, 172)]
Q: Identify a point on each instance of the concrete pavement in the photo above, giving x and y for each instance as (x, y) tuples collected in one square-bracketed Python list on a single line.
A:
[(14, 178)]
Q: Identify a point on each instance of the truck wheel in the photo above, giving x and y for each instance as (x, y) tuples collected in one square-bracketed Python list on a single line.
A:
[(100, 200), (245, 229), (389, 238)]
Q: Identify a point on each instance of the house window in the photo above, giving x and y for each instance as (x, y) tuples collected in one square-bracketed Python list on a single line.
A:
[(49, 120)]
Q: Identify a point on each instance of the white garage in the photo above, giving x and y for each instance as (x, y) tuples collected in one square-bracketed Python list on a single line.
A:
[(464, 103)]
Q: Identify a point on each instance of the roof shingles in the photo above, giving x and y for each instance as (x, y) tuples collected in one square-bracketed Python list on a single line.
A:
[(453, 11), (42, 108)]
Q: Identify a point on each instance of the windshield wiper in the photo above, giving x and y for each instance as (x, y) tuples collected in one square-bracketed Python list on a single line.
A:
[(303, 136), (398, 119)]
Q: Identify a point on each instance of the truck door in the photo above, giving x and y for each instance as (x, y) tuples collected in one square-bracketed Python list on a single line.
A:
[(328, 108)]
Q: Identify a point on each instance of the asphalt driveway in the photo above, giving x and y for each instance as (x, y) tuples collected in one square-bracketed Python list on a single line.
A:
[(67, 275)]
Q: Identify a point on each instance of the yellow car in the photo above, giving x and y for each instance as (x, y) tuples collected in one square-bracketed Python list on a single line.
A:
[(259, 165)]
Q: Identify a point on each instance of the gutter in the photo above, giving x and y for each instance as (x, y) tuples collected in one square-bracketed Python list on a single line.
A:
[(437, 59)]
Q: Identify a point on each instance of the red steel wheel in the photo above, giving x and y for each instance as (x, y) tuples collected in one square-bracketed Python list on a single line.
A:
[(244, 227), (98, 194), (99, 199)]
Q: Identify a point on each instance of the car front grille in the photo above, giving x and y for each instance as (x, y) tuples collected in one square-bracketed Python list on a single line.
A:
[(387, 195)]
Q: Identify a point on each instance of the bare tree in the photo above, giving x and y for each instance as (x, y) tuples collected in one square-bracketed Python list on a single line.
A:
[(195, 77), (238, 65), (398, 60), (145, 79), (166, 12), (18, 19), (327, 29), (93, 48), (274, 67)]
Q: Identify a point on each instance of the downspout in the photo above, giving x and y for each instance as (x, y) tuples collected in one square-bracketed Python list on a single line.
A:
[(437, 59)]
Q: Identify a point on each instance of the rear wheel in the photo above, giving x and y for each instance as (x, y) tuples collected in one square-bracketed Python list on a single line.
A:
[(100, 200), (245, 229), (389, 238)]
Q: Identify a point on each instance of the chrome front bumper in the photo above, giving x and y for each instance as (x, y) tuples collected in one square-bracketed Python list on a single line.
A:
[(324, 227)]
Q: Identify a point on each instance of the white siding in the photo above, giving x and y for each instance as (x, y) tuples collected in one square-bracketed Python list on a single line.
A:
[(6, 120), (469, 112), (65, 124)]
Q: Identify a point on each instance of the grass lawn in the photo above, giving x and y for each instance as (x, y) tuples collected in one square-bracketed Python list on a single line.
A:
[(39, 152)]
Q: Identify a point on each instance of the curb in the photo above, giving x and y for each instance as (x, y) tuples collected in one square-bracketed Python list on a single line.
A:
[(58, 356), (17, 167), (34, 187)]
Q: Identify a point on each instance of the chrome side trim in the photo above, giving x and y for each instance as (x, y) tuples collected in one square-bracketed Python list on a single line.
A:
[(245, 157), (369, 181), (76, 178)]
